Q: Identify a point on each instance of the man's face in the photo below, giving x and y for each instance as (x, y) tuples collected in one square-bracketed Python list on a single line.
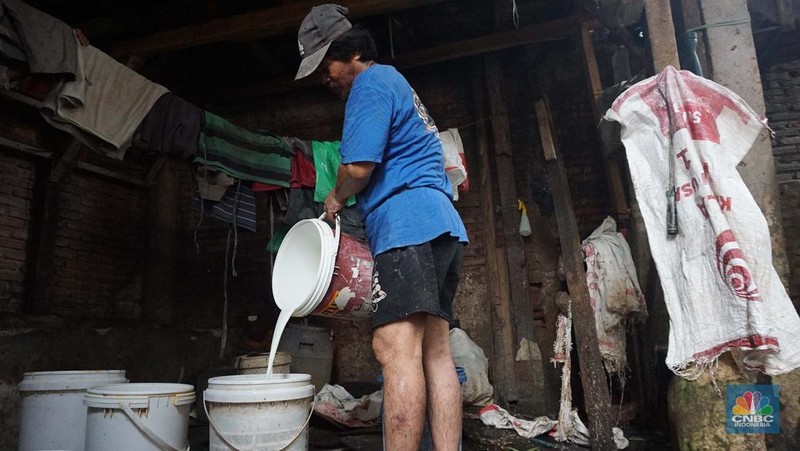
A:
[(338, 76)]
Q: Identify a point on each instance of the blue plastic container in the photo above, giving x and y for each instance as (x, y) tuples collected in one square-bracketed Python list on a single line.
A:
[(426, 443)]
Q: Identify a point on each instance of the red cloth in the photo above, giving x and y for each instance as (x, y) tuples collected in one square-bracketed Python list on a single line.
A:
[(304, 175)]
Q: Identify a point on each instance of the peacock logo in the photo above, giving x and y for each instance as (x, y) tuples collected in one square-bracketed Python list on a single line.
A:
[(752, 403)]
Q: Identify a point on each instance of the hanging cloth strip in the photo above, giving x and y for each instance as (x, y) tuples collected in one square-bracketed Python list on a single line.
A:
[(243, 154), (237, 206)]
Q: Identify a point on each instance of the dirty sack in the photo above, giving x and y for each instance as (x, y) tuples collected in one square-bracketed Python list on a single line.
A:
[(494, 415), (684, 137), (614, 292), (338, 405), (476, 391)]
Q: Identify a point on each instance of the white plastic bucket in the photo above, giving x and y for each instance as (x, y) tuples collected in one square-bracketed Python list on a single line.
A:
[(138, 417), (323, 272), (304, 266), (250, 412), (256, 363), (52, 415)]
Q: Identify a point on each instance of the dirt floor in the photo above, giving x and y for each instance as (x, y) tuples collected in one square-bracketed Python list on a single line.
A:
[(323, 436)]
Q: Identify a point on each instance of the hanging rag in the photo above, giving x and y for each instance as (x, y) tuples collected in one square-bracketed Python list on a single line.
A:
[(46, 43), (172, 127), (243, 154), (614, 292), (454, 160), (326, 162), (720, 287), (105, 104), (237, 206)]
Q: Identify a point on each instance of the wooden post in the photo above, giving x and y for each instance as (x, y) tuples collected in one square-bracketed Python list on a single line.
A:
[(496, 266), (593, 376), (162, 246), (529, 371), (41, 247), (662, 34)]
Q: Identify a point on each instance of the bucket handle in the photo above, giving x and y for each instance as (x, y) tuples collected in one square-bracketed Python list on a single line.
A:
[(149, 433), (336, 234), (233, 447)]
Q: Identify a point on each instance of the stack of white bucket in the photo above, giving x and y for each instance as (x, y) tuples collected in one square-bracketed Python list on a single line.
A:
[(100, 410)]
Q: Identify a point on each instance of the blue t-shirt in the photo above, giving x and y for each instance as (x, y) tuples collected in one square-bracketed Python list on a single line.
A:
[(408, 200)]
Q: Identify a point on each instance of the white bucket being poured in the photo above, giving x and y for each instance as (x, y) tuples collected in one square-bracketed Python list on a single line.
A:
[(304, 266), (139, 417), (52, 415), (253, 412)]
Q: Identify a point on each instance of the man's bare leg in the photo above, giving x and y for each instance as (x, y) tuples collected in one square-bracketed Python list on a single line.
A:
[(444, 392), (398, 348)]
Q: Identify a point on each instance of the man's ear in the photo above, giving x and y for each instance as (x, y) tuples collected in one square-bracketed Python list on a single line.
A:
[(356, 57)]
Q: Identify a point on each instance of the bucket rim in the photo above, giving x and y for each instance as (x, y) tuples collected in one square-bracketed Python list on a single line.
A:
[(256, 388), (276, 380), (142, 389), (307, 328), (114, 396), (72, 373), (77, 380)]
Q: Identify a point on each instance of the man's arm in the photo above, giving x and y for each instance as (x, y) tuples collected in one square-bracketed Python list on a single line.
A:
[(350, 180)]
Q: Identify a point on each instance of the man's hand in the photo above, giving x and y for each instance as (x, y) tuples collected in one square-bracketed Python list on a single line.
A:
[(332, 206)]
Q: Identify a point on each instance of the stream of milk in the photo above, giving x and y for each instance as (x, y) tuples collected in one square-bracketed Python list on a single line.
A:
[(283, 319)]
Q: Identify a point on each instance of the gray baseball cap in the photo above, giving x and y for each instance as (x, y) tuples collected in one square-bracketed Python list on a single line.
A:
[(323, 25)]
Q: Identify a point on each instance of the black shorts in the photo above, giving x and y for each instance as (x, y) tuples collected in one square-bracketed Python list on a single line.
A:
[(415, 279)]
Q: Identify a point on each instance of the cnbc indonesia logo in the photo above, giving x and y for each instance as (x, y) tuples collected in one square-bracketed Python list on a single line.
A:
[(752, 410)]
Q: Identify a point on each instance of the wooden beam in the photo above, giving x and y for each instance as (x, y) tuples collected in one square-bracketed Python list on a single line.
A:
[(496, 266), (67, 161), (25, 148), (251, 26), (136, 181), (661, 31), (547, 31), (544, 132), (593, 376), (530, 377)]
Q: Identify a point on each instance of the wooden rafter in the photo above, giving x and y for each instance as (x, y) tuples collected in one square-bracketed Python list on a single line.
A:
[(556, 29), (250, 26)]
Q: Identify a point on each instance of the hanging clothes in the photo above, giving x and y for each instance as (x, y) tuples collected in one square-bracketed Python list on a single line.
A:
[(304, 175), (172, 127), (326, 162), (105, 104), (46, 43), (237, 206), (243, 154)]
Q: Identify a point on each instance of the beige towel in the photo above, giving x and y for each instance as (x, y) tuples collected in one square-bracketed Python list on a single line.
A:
[(104, 105)]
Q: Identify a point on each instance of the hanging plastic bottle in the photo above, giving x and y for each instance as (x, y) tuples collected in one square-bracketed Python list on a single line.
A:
[(524, 223)]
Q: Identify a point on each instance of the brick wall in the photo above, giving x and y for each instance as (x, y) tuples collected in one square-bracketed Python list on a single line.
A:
[(782, 95), (99, 248), (16, 183)]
